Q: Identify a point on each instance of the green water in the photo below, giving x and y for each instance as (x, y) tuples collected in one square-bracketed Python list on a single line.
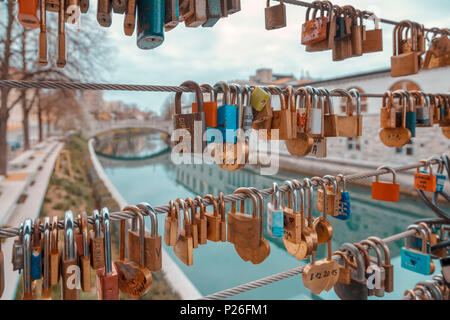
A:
[(216, 265)]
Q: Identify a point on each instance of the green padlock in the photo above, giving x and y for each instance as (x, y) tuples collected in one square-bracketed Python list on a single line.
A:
[(150, 23)]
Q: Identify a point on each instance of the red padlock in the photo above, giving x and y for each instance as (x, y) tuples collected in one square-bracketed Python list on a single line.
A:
[(386, 191), (28, 14), (210, 107), (423, 180)]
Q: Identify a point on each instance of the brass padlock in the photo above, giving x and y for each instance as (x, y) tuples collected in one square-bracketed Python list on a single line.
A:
[(70, 271), (54, 253), (26, 277), (374, 38), (189, 204), (171, 225), (201, 221), (184, 246), (405, 62), (83, 249), (333, 197), (153, 241), (46, 286), (213, 220), (97, 246)]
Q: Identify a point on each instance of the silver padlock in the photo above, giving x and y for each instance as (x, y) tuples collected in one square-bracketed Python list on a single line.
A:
[(17, 251), (423, 112), (275, 216), (27, 289), (315, 112), (379, 272), (247, 110)]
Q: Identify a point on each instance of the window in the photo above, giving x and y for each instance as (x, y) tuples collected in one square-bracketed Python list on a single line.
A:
[(354, 144)]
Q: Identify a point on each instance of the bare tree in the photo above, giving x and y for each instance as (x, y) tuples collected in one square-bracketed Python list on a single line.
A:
[(88, 53)]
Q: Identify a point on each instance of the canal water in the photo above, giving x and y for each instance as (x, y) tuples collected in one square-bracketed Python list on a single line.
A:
[(140, 168)]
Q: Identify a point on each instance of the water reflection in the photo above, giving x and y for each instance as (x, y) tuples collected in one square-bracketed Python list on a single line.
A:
[(216, 265)]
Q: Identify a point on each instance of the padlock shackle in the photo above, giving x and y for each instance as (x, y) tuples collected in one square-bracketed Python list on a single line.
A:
[(252, 197), (201, 206), (390, 169), (185, 222), (83, 226), (299, 193), (375, 19), (374, 247), (148, 211), (329, 101), (426, 165), (364, 253), (309, 187), (355, 94), (290, 98), (36, 233), (97, 228), (332, 180), (46, 255), (225, 89), (291, 195), (422, 235), (107, 240), (69, 238), (54, 235), (432, 288), (261, 209), (440, 163), (222, 207), (214, 203), (198, 96), (347, 94), (385, 247), (340, 178), (388, 95), (277, 91), (275, 198), (211, 91), (320, 182)]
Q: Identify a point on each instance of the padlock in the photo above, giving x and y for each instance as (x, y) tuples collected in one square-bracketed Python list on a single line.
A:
[(129, 23), (404, 63), (150, 24), (213, 220), (54, 253), (83, 250), (275, 16), (153, 241), (438, 54), (43, 34), (17, 255), (189, 206), (388, 112), (259, 98), (368, 268), (304, 141), (321, 275), (321, 225), (357, 289), (184, 246), (262, 120), (315, 30), (171, 225), (398, 136), (343, 44), (104, 10), (247, 110), (26, 277), (107, 278), (227, 115), (328, 42), (275, 216), (344, 202), (36, 252), (333, 197), (201, 221), (46, 289), (309, 225), (97, 246), (134, 278), (409, 100), (374, 38), (119, 6), (315, 115), (379, 272), (425, 181), (359, 117), (193, 124), (243, 229), (418, 261), (290, 100), (61, 62), (344, 271), (210, 109), (172, 14), (350, 125), (356, 30), (330, 119), (341, 31), (388, 267), (386, 191), (440, 177), (199, 16), (70, 271), (424, 110), (282, 119), (293, 222), (213, 13), (27, 14)]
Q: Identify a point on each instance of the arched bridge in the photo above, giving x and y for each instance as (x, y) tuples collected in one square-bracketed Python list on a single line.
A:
[(98, 127)]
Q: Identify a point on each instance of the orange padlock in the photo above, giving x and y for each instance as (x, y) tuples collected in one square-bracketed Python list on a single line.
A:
[(386, 191), (210, 108), (423, 180), (28, 13)]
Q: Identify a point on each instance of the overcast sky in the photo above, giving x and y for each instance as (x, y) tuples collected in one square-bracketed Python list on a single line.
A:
[(238, 45)]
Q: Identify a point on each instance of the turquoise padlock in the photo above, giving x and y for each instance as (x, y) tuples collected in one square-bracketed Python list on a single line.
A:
[(409, 104), (275, 215), (150, 23), (227, 116), (418, 261), (213, 13)]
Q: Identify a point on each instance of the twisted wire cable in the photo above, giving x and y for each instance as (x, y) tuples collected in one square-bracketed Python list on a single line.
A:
[(125, 215)]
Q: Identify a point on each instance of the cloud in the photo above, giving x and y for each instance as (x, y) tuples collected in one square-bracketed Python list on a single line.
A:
[(240, 44)]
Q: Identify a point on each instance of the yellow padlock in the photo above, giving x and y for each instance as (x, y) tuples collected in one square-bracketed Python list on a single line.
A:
[(259, 98)]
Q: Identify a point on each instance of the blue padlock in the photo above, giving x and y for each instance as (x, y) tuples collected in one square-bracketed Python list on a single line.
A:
[(36, 253), (440, 182), (150, 23), (418, 261), (344, 202), (227, 116)]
